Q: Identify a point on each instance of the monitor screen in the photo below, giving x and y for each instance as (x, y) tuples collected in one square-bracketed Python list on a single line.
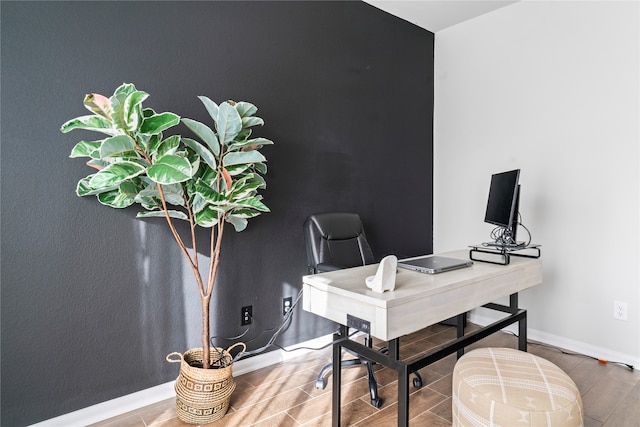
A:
[(503, 197)]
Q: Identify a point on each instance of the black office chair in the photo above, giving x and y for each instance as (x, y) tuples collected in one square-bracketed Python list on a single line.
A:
[(334, 241)]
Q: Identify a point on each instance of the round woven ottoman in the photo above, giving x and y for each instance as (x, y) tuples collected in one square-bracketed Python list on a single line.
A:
[(510, 388)]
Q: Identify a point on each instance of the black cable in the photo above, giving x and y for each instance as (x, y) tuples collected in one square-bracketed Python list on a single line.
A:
[(286, 322), (291, 350), (525, 228), (255, 322), (599, 359), (231, 338), (504, 236)]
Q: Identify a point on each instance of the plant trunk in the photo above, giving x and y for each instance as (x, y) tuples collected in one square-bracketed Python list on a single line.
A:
[(208, 292), (206, 302)]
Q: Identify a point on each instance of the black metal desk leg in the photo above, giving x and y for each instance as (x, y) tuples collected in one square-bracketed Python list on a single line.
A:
[(337, 372), (394, 349), (522, 333), (513, 303), (460, 331), (522, 324), (403, 396)]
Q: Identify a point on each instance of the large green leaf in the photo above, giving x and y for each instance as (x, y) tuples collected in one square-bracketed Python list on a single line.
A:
[(209, 194), (243, 157), (168, 146), (194, 159), (147, 201), (205, 175), (212, 107), (243, 135), (115, 173), (131, 188), (173, 195), (238, 223), (133, 109), (207, 217), (152, 145), (123, 197), (257, 178), (238, 169), (260, 167), (97, 163), (170, 169), (253, 203), (252, 121), (244, 213), (161, 214), (197, 203), (85, 149), (118, 100), (251, 144), (98, 104), (94, 123), (205, 133), (229, 123), (248, 189), (116, 146), (202, 151), (246, 109), (114, 199), (158, 123), (84, 187), (248, 181), (124, 90)]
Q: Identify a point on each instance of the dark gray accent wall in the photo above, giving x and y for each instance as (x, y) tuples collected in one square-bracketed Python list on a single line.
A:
[(94, 299)]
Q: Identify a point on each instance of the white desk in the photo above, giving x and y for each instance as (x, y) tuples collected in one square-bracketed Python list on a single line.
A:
[(418, 300)]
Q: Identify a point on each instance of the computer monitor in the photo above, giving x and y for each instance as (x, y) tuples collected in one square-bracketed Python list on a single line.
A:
[(502, 205)]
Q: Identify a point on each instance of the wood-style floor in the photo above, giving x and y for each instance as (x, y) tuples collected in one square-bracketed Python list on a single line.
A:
[(285, 394)]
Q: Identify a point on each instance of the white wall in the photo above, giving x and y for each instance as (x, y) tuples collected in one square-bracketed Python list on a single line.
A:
[(550, 88)]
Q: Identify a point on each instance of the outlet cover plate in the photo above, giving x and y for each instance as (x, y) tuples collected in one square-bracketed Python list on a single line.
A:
[(620, 310), (286, 305), (359, 324), (246, 313)]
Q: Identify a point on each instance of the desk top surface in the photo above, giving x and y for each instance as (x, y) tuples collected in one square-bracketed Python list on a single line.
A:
[(411, 284)]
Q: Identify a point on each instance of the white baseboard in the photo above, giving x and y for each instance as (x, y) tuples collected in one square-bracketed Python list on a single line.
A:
[(484, 317), (112, 408), (121, 405)]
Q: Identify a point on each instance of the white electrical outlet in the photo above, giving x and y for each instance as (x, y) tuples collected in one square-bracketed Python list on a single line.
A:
[(620, 310)]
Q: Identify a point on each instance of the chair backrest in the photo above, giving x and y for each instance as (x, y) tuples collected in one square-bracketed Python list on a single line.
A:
[(336, 240)]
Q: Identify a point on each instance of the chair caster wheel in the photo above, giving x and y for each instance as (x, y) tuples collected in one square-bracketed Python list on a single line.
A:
[(321, 383), (376, 403), (417, 383)]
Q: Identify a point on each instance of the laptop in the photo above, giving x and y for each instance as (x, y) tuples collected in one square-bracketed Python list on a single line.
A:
[(434, 264)]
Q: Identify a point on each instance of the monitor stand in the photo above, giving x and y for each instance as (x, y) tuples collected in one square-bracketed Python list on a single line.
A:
[(495, 253), (511, 245)]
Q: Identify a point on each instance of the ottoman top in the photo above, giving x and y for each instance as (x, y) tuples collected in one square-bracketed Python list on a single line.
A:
[(517, 379)]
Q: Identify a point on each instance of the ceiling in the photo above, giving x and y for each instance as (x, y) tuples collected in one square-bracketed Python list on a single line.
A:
[(436, 15)]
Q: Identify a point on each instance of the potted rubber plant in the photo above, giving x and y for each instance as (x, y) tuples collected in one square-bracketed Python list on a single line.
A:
[(207, 181)]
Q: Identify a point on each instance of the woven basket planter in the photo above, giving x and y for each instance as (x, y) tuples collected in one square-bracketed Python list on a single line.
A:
[(203, 395)]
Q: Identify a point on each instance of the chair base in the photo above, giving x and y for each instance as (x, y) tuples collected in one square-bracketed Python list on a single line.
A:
[(376, 401)]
